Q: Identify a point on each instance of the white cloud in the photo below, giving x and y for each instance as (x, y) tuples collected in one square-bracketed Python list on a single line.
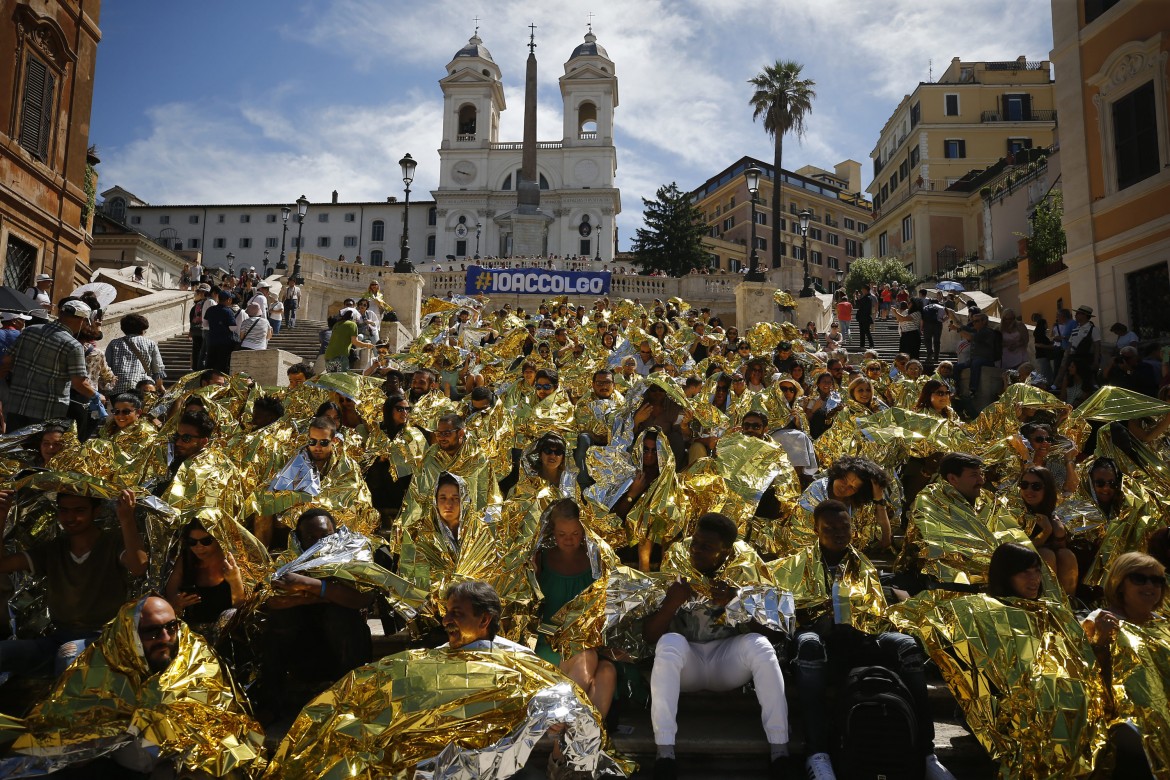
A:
[(682, 69)]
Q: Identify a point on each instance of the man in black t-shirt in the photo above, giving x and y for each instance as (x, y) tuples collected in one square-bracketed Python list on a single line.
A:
[(84, 580), (863, 312)]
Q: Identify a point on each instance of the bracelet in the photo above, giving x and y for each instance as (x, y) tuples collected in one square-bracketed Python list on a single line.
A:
[(322, 588)]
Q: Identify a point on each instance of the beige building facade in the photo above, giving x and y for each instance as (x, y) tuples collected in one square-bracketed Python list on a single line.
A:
[(840, 218), (939, 139), (1111, 93)]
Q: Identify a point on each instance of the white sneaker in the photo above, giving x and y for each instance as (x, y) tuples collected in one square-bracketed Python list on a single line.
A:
[(935, 770), (819, 767)]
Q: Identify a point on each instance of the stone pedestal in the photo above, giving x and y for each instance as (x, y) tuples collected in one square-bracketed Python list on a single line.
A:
[(818, 309), (395, 335), (266, 366), (404, 294), (528, 234), (753, 303)]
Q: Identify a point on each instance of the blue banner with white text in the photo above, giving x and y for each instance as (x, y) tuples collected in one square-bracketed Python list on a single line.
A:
[(535, 281)]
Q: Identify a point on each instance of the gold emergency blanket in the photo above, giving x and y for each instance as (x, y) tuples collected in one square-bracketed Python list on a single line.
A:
[(1024, 674), (952, 540), (452, 714), (855, 598), (192, 711), (1139, 659)]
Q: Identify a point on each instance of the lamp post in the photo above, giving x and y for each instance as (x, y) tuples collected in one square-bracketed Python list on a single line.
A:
[(302, 210), (752, 174), (806, 291), (231, 264), (403, 266), (597, 257), (282, 264), (478, 228)]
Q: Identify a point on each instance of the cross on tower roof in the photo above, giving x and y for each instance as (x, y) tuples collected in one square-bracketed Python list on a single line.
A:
[(589, 21), (477, 25), (532, 38)]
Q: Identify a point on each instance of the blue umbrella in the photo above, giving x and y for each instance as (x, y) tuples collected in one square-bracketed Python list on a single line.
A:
[(950, 286)]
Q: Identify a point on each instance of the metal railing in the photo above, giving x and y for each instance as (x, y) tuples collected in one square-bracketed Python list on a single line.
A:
[(1016, 65), (1033, 116)]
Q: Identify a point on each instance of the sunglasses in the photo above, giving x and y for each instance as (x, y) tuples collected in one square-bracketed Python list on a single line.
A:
[(404, 409), (123, 412), (155, 632), (787, 390), (186, 437), (202, 541), (553, 451), (320, 442), (445, 434), (1031, 485), (1042, 440), (752, 426), (941, 392), (1137, 578), (543, 386), (1105, 483)]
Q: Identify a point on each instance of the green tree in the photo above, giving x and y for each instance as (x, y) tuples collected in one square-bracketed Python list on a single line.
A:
[(671, 240), (876, 271), (1047, 244), (783, 99)]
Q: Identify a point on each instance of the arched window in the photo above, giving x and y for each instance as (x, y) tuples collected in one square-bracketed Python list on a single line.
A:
[(467, 123), (118, 209), (507, 185), (377, 230), (376, 257), (587, 120), (432, 216)]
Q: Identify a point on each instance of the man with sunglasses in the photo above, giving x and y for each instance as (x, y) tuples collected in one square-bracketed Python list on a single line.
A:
[(84, 579), (644, 361), (157, 674), (594, 417), (190, 438)]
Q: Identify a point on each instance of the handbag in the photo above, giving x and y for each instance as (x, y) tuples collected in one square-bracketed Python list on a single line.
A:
[(142, 361)]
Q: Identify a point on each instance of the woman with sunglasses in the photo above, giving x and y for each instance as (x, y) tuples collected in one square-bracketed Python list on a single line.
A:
[(1033, 507), (935, 399), (1036, 444), (1130, 638), (546, 463), (206, 580), (389, 476), (822, 405)]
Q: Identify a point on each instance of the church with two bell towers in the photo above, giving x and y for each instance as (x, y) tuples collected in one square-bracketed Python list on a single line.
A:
[(528, 197)]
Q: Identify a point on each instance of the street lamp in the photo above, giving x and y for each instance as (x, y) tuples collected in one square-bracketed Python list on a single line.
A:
[(806, 291), (752, 174), (597, 257), (302, 210), (231, 264), (403, 266), (478, 228), (281, 264)]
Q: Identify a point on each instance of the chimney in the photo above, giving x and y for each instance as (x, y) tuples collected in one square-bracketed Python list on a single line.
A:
[(392, 199), (335, 197)]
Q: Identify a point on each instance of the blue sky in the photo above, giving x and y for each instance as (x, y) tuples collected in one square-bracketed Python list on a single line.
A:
[(260, 101)]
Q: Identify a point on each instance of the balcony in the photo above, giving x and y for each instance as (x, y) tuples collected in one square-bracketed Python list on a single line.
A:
[(1016, 65), (516, 146), (1033, 116), (465, 137), (587, 136)]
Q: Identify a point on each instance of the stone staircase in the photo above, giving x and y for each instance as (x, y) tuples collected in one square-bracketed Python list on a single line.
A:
[(303, 340), (885, 338)]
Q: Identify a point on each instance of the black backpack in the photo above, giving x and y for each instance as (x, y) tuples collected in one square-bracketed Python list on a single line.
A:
[(878, 728)]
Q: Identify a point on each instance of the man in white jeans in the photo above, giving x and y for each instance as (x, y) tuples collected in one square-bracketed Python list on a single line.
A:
[(696, 650)]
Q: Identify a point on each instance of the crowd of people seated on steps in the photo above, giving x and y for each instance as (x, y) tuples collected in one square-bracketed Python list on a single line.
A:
[(575, 510)]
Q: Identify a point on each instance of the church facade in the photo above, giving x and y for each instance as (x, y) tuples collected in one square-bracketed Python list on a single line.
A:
[(479, 178)]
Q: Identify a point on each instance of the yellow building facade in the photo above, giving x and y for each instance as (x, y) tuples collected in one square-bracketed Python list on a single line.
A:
[(1111, 60), (840, 217), (938, 138)]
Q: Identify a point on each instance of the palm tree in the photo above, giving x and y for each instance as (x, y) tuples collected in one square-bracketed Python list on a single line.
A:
[(783, 98)]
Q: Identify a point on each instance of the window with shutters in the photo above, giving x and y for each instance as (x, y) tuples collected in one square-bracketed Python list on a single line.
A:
[(36, 108)]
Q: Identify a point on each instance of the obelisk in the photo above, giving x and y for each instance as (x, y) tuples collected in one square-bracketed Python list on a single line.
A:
[(529, 225)]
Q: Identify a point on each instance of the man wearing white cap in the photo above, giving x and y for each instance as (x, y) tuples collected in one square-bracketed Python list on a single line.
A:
[(260, 299), (45, 362), (40, 290), (12, 324)]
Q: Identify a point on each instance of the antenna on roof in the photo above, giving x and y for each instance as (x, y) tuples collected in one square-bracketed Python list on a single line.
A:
[(930, 72)]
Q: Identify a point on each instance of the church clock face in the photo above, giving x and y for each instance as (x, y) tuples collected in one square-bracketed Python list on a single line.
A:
[(463, 172), (586, 171)]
